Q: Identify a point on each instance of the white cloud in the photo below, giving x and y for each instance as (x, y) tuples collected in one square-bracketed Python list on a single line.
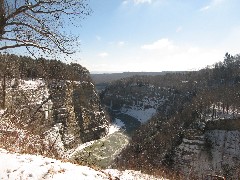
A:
[(162, 44), (165, 54), (121, 43), (181, 57), (103, 54), (231, 41), (217, 2), (117, 44), (205, 8), (213, 3), (142, 1), (136, 2)]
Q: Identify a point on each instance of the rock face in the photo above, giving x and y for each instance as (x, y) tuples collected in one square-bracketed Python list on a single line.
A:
[(215, 152), (70, 109), (76, 106)]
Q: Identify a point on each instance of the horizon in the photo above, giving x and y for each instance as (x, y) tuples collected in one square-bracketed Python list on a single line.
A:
[(154, 35), (116, 72), (158, 35)]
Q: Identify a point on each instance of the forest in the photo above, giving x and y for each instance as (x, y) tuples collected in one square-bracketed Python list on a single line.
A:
[(188, 105), (24, 67), (197, 102)]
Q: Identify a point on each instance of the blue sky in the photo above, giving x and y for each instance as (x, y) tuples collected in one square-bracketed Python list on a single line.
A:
[(158, 35)]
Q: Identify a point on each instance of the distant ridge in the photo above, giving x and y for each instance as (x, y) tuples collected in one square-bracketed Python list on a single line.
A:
[(107, 77)]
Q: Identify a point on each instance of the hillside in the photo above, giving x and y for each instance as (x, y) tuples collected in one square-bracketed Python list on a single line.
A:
[(196, 117), (178, 125), (52, 109), (103, 80), (110, 77), (19, 166), (52, 100)]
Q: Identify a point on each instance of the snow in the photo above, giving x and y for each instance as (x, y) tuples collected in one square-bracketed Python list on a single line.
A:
[(23, 166), (1, 112), (192, 141), (71, 152), (31, 84), (16, 166), (53, 137), (130, 174), (221, 151), (37, 92), (140, 114), (116, 126)]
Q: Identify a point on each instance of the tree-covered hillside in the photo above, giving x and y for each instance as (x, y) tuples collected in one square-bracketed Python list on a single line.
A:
[(55, 101), (195, 103), (13, 66)]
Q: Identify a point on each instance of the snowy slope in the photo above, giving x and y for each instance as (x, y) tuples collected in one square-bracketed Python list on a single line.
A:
[(18, 166), (116, 126), (142, 115)]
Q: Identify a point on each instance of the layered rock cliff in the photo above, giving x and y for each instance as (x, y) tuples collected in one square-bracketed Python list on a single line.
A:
[(213, 152), (67, 113)]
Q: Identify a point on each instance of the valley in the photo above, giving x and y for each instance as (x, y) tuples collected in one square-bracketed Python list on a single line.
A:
[(173, 125), (119, 90)]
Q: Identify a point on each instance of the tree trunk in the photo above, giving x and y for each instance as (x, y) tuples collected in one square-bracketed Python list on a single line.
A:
[(227, 108), (4, 91), (2, 18), (213, 109)]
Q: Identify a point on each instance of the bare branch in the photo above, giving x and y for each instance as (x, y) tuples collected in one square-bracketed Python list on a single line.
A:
[(39, 23), (22, 9), (24, 45), (33, 17), (41, 31)]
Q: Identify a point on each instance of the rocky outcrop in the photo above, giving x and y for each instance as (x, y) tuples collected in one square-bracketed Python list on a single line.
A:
[(68, 110), (215, 152), (76, 106)]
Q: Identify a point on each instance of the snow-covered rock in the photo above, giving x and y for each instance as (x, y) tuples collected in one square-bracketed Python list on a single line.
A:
[(45, 104), (216, 152)]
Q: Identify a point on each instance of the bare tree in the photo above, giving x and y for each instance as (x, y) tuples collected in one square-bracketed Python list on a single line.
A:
[(40, 24)]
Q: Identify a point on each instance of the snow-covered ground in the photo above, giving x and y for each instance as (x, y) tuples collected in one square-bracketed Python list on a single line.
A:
[(23, 166), (31, 84), (116, 126), (71, 152), (16, 166), (1, 112), (143, 115)]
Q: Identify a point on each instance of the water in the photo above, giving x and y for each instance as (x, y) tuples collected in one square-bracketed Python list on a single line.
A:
[(103, 151)]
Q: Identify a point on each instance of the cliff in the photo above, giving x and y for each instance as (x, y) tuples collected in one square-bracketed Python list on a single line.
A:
[(213, 152), (52, 99), (67, 113)]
